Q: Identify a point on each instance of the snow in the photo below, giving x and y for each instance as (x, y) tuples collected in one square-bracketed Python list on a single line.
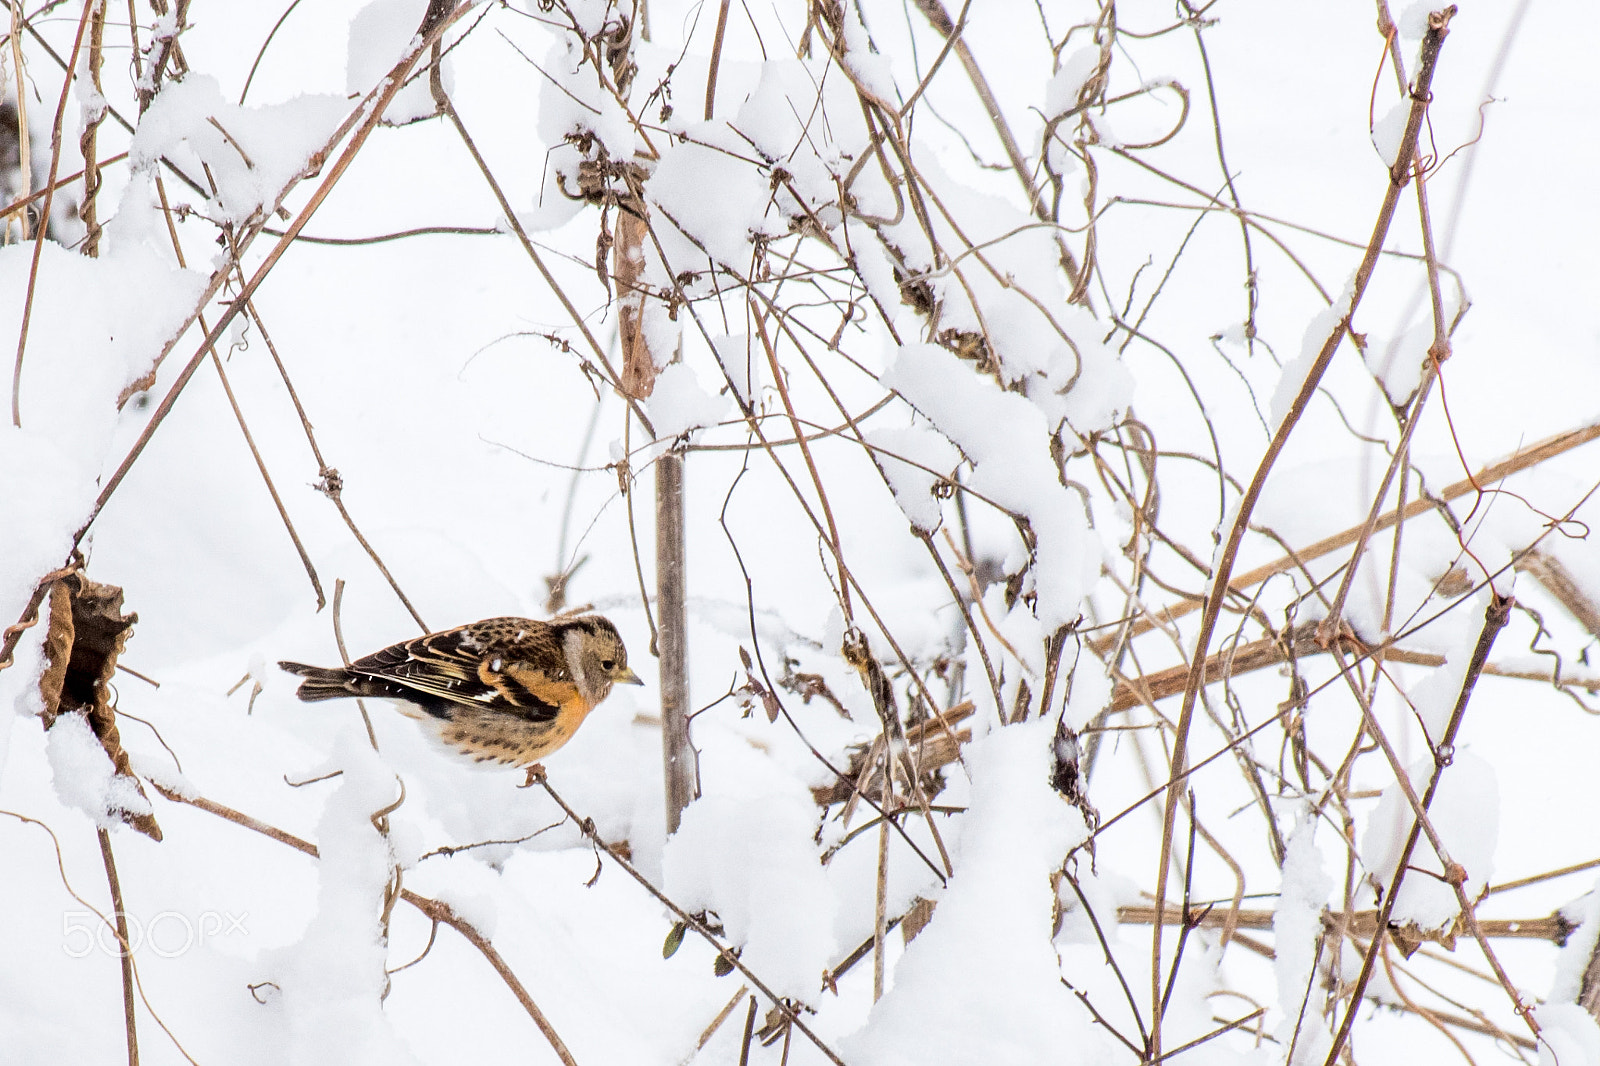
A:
[(1061, 93), (1318, 329), (471, 446), (1398, 365), (981, 983), (720, 226), (1568, 1035), (1465, 814), (94, 329), (381, 34), (1413, 19), (750, 859), (871, 71), (1579, 948), (915, 460), (1006, 439), (772, 118), (1389, 131), (679, 403), (875, 266), (580, 107), (84, 776), (1436, 695), (251, 153), (1297, 934), (331, 983), (741, 362), (551, 207)]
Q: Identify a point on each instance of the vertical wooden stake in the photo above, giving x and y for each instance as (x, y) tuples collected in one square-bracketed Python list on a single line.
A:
[(678, 755)]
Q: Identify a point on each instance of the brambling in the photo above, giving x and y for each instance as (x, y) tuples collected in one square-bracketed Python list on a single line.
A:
[(511, 690)]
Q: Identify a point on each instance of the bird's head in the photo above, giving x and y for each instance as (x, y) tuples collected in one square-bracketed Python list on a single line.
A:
[(602, 659)]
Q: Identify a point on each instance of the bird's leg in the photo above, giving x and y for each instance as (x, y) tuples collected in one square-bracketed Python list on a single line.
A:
[(535, 776)]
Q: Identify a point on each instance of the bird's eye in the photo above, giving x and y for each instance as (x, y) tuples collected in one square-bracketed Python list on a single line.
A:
[(608, 665)]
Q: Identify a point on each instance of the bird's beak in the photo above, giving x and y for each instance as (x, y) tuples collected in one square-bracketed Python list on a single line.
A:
[(628, 677)]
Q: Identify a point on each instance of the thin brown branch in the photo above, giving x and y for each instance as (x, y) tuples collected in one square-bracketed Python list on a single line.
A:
[(89, 6), (1362, 925), (1438, 27), (1522, 459), (1559, 582), (125, 954)]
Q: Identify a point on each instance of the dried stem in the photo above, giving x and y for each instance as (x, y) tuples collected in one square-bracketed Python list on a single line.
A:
[(125, 955), (1421, 96)]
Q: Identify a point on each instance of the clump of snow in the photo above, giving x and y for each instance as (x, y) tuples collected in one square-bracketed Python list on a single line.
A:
[(1105, 134), (875, 268), (588, 16), (1568, 1035), (680, 404), (982, 981), (1466, 815), (47, 495), (477, 909), (1090, 694), (381, 34), (84, 776), (741, 362), (1293, 379), (693, 225), (1389, 131), (752, 861), (251, 153), (1574, 957), (91, 103), (1413, 21), (1083, 383), (552, 208), (161, 772), (906, 457), (1435, 696), (1398, 365), (871, 70), (1297, 930), (771, 119), (1235, 335), (1061, 92), (577, 104), (1398, 361), (662, 332), (333, 980), (1008, 442)]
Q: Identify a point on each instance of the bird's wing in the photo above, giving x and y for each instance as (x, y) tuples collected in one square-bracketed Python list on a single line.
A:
[(485, 665)]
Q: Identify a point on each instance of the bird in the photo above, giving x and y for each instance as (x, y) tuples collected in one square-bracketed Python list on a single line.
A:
[(507, 690)]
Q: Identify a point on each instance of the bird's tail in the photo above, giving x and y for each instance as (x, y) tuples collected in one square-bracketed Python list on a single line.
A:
[(322, 683)]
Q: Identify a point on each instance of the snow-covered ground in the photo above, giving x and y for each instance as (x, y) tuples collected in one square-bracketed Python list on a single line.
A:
[(480, 453)]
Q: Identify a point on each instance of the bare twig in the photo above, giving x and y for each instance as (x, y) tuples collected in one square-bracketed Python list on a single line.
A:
[(1421, 96), (120, 913)]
